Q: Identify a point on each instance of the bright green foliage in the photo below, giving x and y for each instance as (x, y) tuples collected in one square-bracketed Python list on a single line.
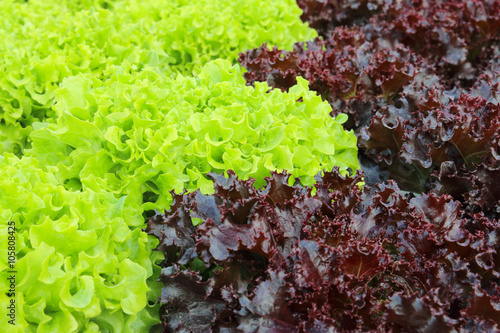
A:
[(80, 255), (44, 41), (143, 135)]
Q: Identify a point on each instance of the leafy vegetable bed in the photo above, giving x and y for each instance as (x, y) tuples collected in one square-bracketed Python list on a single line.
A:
[(417, 249), (262, 214)]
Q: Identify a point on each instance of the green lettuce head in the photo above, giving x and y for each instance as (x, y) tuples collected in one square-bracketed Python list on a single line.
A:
[(143, 135)]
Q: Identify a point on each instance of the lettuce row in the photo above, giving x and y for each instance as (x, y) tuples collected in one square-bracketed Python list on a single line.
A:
[(37, 51), (143, 135), (82, 265)]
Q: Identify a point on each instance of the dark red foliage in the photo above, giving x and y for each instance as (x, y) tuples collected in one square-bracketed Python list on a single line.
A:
[(447, 31), (281, 259), (333, 64), (325, 15), (456, 38), (346, 69), (451, 135)]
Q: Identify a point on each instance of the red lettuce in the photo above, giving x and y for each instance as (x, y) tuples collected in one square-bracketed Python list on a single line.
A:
[(342, 259), (447, 31)]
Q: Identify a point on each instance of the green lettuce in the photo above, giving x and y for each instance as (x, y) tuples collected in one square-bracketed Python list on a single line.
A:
[(45, 41), (143, 135), (82, 263)]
